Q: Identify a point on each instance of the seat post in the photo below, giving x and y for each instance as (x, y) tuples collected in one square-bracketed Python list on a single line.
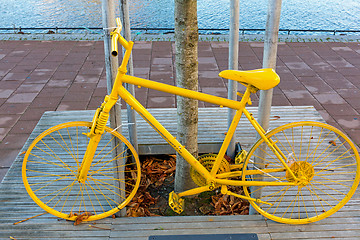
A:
[(246, 96)]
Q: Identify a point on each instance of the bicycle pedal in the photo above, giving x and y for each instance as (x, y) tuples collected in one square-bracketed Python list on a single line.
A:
[(176, 203), (240, 157)]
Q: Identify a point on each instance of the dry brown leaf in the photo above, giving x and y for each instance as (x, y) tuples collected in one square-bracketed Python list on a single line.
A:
[(82, 217)]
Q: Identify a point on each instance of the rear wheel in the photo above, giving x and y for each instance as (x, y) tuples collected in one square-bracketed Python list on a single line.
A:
[(322, 158), (50, 170)]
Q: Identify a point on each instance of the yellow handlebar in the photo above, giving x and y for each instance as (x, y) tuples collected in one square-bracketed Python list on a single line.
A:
[(116, 37)]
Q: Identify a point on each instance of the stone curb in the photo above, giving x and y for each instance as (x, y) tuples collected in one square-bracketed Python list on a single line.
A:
[(170, 37)]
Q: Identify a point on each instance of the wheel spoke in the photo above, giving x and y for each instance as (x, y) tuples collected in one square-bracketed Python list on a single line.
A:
[(51, 167), (324, 164)]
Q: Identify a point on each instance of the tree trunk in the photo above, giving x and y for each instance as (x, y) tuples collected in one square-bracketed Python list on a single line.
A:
[(186, 61)]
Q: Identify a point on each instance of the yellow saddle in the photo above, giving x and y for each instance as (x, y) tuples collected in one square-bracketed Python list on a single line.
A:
[(263, 79)]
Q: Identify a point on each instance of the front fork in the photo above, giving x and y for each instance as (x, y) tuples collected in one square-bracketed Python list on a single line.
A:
[(88, 158), (97, 129)]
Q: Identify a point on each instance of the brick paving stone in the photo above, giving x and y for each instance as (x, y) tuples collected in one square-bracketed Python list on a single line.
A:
[(5, 93), (141, 55), (95, 102), (162, 61), (15, 76), (24, 68), (349, 93), (77, 96), (49, 103), (8, 120), (13, 108), (340, 110), (24, 127), (163, 77), (208, 67), (82, 87), (9, 59), (351, 71), (52, 92), (219, 92), (316, 85), (211, 82), (100, 92), (13, 141), (64, 75), (2, 100), (354, 102), (354, 135), (25, 88), (349, 122), (248, 66), (38, 78), (49, 65), (161, 102), (7, 157), (280, 100), (72, 105), (33, 113), (3, 133), (162, 68), (68, 67), (64, 83), (88, 78), (22, 98), (329, 98), (142, 45)]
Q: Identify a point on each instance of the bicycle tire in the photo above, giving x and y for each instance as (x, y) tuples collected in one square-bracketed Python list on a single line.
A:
[(52, 162), (325, 160)]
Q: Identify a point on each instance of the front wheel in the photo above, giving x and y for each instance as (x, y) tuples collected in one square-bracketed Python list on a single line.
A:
[(51, 167), (324, 161)]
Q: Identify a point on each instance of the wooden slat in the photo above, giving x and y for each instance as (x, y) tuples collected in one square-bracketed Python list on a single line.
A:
[(16, 205)]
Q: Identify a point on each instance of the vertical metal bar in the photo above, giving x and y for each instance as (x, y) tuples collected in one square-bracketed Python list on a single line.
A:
[(111, 66), (124, 9), (269, 61), (233, 64)]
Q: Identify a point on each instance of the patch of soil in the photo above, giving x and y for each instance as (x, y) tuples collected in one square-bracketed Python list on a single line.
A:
[(157, 181)]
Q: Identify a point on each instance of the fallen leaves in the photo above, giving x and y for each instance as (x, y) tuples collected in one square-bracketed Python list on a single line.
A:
[(154, 172), (79, 218), (157, 173), (229, 205)]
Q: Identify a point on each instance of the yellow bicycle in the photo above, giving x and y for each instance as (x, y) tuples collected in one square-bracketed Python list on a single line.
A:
[(297, 173)]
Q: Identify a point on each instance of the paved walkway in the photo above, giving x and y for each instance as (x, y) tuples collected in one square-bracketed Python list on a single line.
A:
[(39, 76)]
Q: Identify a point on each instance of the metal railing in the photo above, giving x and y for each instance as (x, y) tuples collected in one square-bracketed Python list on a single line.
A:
[(50, 30)]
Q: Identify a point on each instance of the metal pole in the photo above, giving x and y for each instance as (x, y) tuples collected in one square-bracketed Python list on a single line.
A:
[(269, 61), (233, 64), (124, 9), (111, 66)]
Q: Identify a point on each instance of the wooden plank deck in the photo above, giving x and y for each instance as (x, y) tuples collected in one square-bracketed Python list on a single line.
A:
[(16, 205)]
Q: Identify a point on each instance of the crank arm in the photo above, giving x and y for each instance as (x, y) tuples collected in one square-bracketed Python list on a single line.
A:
[(225, 191)]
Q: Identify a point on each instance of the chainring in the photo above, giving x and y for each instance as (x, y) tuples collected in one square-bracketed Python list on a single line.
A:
[(208, 160)]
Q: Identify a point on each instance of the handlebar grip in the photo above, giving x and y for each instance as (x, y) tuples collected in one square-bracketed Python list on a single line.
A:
[(115, 37), (114, 45)]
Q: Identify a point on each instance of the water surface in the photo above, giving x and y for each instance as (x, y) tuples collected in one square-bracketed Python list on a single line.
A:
[(296, 14)]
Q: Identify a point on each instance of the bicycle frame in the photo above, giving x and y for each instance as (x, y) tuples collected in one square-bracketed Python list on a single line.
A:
[(118, 90)]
